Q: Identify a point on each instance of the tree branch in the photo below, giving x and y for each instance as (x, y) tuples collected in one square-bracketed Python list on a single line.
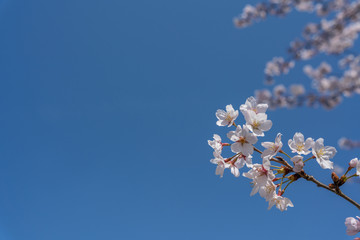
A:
[(307, 177)]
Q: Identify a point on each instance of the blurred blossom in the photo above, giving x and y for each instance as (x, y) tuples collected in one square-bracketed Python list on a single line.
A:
[(347, 144)]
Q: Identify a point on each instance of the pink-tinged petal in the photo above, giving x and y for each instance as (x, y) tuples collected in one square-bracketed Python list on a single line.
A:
[(247, 117), (258, 132), (309, 143), (236, 147), (247, 149), (235, 171), (266, 163), (252, 139), (219, 171), (240, 163), (220, 114), (298, 138), (271, 204), (331, 151), (229, 108), (266, 125), (267, 153), (217, 138), (278, 139), (232, 136), (260, 117), (325, 164), (267, 144), (261, 108), (319, 144)]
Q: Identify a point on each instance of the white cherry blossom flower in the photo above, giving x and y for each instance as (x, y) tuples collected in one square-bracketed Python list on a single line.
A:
[(242, 160), (323, 154), (221, 164), (298, 145), (352, 225), (239, 163), (282, 203), (243, 139), (251, 105), (228, 117), (216, 143), (298, 163), (268, 190), (272, 148), (257, 123), (260, 177)]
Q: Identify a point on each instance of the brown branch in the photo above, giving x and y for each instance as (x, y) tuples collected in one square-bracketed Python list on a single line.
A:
[(337, 191), (307, 177)]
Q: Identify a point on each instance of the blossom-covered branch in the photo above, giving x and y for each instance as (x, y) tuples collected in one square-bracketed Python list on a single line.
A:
[(273, 175), (334, 34)]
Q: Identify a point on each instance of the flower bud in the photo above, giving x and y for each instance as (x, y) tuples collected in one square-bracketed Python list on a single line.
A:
[(342, 180), (334, 177), (353, 162)]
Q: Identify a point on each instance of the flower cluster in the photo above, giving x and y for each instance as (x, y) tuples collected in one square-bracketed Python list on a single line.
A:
[(263, 175), (334, 35), (273, 174)]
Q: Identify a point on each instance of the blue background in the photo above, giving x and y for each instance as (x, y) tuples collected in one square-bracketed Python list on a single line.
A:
[(106, 109)]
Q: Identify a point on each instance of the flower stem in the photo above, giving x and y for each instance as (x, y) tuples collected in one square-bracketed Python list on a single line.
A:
[(281, 151), (312, 179), (354, 175), (274, 166), (291, 181), (309, 159)]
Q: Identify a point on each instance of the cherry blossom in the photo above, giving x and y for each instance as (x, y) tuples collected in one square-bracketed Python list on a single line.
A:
[(257, 123), (226, 118), (239, 163), (272, 148), (251, 105), (298, 145), (282, 203), (268, 190), (243, 139), (273, 177), (259, 176), (298, 163), (323, 154), (221, 164), (216, 143), (352, 225), (243, 160)]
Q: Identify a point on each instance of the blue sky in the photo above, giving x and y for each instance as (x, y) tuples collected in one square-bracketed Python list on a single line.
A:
[(107, 107)]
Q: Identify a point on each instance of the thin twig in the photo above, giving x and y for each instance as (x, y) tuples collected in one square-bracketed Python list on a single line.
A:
[(312, 179)]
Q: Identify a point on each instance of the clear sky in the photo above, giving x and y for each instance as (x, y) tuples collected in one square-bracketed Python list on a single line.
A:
[(107, 106)]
